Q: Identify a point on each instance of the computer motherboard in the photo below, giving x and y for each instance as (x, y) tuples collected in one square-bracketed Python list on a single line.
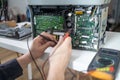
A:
[(85, 22)]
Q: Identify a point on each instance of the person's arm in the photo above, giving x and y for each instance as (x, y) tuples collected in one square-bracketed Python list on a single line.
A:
[(59, 60), (13, 69), (10, 70)]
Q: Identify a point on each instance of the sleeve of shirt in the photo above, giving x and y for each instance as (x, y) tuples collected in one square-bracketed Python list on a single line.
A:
[(10, 70)]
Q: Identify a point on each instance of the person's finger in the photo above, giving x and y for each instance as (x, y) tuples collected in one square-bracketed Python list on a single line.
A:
[(46, 45), (59, 42), (67, 42), (38, 37), (48, 36)]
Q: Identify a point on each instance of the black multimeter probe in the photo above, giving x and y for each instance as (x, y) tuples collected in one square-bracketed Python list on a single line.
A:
[(48, 39)]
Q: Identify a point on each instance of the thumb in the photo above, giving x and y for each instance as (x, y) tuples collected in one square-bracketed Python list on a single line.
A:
[(58, 44), (67, 42)]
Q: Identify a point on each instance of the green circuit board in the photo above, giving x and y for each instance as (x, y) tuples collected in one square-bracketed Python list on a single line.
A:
[(85, 27), (47, 22), (84, 21), (84, 37)]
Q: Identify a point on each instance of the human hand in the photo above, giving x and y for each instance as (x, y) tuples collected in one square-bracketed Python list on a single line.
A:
[(59, 59), (40, 44), (61, 55), (37, 49)]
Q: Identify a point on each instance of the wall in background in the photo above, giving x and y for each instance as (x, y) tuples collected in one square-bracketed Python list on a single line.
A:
[(18, 5)]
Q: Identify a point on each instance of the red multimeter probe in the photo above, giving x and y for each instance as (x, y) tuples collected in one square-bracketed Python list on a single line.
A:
[(67, 34)]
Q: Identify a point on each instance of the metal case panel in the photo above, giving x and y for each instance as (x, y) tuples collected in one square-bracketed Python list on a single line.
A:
[(68, 2)]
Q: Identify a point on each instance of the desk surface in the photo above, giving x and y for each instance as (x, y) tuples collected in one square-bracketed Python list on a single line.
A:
[(80, 59)]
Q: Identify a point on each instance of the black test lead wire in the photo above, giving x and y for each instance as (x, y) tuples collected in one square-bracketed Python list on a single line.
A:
[(48, 39), (40, 71)]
